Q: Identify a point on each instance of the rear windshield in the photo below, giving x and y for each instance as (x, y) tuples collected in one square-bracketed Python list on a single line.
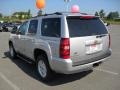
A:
[(79, 27)]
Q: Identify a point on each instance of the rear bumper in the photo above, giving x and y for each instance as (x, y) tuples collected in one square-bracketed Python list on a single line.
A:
[(66, 66)]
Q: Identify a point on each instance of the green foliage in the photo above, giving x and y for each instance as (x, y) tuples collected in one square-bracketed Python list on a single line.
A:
[(29, 14), (112, 21), (96, 14), (1, 15), (117, 20), (102, 13), (22, 15), (113, 15)]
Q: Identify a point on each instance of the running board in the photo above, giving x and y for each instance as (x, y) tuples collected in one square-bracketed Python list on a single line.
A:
[(25, 59)]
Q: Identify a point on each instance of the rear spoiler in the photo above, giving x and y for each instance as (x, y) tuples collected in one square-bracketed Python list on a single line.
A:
[(82, 17)]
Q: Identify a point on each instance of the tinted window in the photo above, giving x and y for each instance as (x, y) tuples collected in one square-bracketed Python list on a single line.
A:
[(85, 27), (33, 26), (51, 27), (23, 28)]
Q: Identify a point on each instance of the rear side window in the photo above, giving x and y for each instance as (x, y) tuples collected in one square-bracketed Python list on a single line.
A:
[(51, 27), (33, 26), (79, 27)]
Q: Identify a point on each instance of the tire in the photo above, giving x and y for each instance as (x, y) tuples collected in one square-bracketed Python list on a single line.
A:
[(13, 54), (6, 30), (43, 68)]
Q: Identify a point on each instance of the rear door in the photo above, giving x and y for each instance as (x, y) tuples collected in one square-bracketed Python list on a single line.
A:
[(89, 39), (51, 33)]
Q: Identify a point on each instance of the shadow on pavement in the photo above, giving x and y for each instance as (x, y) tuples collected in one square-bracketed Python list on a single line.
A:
[(58, 79)]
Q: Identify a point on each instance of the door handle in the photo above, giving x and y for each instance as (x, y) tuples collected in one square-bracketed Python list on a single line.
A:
[(28, 39)]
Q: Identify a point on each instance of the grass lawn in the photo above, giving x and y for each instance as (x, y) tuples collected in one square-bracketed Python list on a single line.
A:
[(112, 22)]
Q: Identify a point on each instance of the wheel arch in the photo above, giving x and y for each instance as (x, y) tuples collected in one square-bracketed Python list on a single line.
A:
[(10, 42), (38, 51)]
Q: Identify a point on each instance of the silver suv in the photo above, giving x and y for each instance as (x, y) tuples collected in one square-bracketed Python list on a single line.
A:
[(61, 42)]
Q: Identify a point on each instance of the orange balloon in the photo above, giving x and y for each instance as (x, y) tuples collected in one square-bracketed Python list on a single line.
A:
[(40, 4)]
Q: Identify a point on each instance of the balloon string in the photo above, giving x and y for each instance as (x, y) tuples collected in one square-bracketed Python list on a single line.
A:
[(67, 6)]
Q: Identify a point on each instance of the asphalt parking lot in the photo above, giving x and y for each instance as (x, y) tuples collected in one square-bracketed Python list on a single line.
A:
[(19, 75)]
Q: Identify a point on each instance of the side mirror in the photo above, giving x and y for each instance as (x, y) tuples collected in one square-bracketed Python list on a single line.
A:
[(18, 32), (14, 30)]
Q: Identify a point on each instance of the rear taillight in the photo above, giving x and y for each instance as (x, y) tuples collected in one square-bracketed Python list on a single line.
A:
[(65, 48), (109, 41)]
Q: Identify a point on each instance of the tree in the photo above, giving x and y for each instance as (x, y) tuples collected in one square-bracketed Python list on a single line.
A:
[(113, 15), (96, 14), (1, 15), (22, 15), (29, 14), (102, 13)]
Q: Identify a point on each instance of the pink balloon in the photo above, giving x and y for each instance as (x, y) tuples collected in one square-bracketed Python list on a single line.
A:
[(75, 9)]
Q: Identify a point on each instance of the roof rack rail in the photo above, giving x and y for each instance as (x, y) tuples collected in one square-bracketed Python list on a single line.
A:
[(71, 12), (57, 13)]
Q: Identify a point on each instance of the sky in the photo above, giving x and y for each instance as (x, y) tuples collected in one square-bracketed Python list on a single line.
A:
[(7, 7)]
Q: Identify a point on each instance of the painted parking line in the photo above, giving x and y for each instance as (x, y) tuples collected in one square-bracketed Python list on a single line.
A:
[(106, 71), (9, 82)]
